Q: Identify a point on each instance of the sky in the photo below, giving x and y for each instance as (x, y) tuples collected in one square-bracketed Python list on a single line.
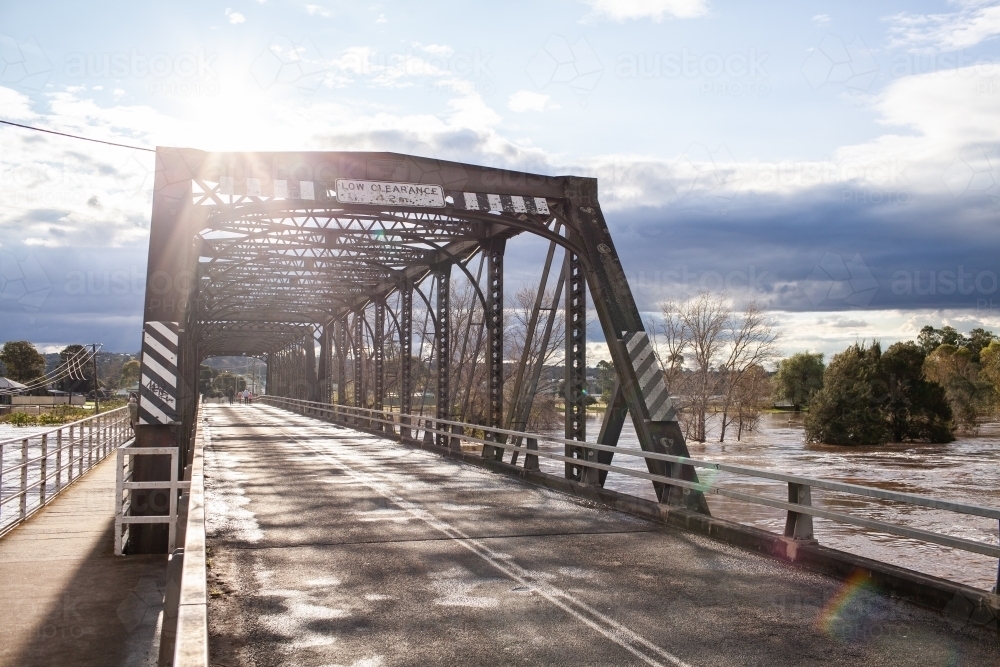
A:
[(835, 162)]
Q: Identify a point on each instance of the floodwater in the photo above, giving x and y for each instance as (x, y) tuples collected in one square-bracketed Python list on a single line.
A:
[(967, 470)]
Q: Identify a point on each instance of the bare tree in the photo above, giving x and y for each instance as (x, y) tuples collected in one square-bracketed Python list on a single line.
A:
[(698, 327), (712, 359), (751, 342), (547, 342), (751, 396)]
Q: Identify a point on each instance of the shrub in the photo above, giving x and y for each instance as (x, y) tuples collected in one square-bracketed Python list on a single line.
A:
[(21, 419)]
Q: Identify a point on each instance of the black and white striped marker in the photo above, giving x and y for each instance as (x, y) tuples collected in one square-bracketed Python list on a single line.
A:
[(477, 201), (651, 382), (158, 383)]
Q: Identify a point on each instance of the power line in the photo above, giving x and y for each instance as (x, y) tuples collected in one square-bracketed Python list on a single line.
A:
[(66, 370), (74, 136)]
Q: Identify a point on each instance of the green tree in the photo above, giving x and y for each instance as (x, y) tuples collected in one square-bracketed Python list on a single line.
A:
[(75, 361), (606, 377), (225, 381), (130, 373), (206, 376), (23, 361), (931, 339), (954, 369), (869, 398), (916, 407), (799, 377), (846, 410), (978, 339), (989, 361)]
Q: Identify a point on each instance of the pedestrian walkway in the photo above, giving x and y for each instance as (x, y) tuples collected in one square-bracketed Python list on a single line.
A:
[(65, 598), (334, 547)]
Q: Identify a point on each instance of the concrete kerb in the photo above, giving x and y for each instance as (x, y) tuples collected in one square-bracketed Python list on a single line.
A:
[(184, 634), (963, 603)]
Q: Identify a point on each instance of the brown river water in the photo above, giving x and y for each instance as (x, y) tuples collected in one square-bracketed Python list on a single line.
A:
[(967, 470)]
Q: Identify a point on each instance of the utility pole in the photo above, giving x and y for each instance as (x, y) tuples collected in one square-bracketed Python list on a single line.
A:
[(97, 401)]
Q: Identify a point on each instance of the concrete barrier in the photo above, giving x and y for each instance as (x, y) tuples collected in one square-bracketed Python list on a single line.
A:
[(184, 633)]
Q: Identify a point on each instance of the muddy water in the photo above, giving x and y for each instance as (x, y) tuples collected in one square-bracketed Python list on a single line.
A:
[(967, 470)]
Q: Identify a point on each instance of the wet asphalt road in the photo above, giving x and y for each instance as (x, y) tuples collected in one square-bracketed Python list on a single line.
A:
[(332, 547)]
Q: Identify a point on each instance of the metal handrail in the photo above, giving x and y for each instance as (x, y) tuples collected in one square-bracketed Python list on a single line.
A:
[(123, 409), (123, 486), (88, 441), (799, 506)]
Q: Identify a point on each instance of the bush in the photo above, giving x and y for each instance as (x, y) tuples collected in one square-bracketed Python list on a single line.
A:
[(870, 398), (21, 419)]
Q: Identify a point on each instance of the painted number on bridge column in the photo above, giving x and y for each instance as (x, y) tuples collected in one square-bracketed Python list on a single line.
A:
[(387, 193)]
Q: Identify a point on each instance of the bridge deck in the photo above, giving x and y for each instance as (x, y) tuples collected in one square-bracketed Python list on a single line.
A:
[(328, 546)]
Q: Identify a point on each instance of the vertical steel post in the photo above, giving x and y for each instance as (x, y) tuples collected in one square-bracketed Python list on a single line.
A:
[(323, 377), (442, 341), (97, 402), (360, 394), (494, 344), (43, 469), (405, 356), (379, 357), (341, 333), (309, 362), (799, 526), (59, 448), (576, 364), (23, 505)]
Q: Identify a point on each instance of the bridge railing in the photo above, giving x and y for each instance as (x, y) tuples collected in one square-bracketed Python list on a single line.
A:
[(124, 487), (34, 469), (799, 507)]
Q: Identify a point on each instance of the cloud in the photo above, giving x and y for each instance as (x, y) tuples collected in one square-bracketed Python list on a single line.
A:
[(626, 10), (525, 100), (971, 25), (915, 204), (234, 16), (317, 10), (820, 19), (15, 105), (842, 322)]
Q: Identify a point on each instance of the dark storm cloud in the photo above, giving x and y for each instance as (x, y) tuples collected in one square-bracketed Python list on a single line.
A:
[(67, 295), (826, 251)]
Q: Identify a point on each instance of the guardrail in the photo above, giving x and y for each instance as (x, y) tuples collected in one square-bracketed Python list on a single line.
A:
[(41, 465), (123, 494), (799, 507)]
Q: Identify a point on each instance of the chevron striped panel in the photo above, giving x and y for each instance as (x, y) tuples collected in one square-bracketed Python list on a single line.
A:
[(158, 384), (651, 382)]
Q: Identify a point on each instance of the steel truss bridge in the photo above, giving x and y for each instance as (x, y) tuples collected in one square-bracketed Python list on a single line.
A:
[(361, 255)]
